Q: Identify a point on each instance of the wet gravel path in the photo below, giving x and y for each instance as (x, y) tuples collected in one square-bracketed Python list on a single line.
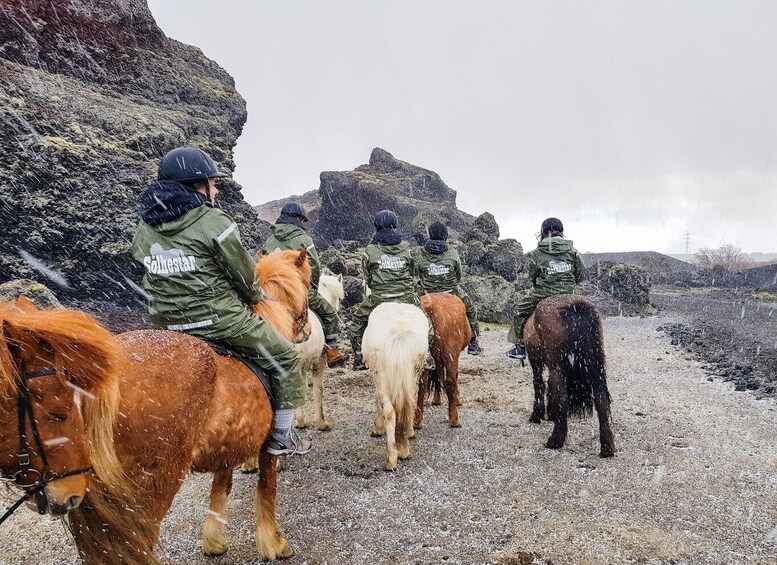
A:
[(694, 481)]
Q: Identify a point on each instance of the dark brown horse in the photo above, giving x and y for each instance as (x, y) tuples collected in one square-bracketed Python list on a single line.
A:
[(565, 335), (451, 335)]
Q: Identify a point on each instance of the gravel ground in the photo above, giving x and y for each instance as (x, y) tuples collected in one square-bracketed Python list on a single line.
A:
[(694, 481), (735, 334)]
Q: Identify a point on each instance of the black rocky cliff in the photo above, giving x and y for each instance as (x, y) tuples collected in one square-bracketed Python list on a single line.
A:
[(93, 94)]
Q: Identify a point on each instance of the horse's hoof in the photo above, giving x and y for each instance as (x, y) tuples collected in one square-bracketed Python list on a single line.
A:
[(418, 426), (376, 433), (607, 451), (456, 424), (390, 468), (535, 419), (286, 551), (323, 427), (551, 444)]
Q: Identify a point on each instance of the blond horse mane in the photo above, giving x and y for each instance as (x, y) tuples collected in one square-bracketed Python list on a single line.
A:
[(87, 356), (331, 289), (284, 278)]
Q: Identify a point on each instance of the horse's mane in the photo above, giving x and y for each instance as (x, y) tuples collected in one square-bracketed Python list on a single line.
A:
[(284, 279), (331, 288), (86, 355)]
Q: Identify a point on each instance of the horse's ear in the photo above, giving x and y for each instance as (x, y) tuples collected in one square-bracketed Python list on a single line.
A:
[(303, 256), (25, 304), (340, 278)]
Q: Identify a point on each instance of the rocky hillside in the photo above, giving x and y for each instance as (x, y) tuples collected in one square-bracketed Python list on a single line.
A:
[(93, 95)]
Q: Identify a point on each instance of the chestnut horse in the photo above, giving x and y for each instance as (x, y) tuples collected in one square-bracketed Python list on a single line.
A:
[(394, 346), (565, 335), (183, 408), (451, 335), (58, 404)]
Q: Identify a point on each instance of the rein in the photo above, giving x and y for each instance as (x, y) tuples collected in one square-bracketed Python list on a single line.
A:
[(24, 411)]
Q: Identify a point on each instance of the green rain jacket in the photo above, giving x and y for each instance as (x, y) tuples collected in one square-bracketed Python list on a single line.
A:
[(288, 236), (437, 273), (555, 267), (198, 274), (388, 269)]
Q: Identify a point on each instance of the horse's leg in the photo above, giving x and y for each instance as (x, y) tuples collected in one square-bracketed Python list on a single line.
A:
[(423, 388), (558, 407), (538, 413), (404, 427), (450, 380), (602, 404), (437, 384), (379, 422), (270, 544), (318, 394), (214, 539), (390, 419)]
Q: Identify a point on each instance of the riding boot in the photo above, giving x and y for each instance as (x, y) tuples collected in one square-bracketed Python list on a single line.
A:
[(429, 363), (518, 351), (333, 357), (358, 362), (474, 347)]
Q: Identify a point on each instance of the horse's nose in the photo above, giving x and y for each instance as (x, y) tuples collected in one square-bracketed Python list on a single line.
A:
[(72, 502)]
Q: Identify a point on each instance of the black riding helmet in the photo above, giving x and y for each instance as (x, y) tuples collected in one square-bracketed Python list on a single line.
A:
[(188, 164), (386, 219), (551, 225), (295, 210), (438, 231)]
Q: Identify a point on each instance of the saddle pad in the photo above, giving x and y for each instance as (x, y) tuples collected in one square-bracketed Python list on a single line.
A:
[(263, 377)]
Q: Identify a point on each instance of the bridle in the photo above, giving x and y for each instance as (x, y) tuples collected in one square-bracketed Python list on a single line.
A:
[(24, 411), (301, 322)]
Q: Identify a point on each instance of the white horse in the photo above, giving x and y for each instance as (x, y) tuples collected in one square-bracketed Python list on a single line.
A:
[(394, 346), (312, 357)]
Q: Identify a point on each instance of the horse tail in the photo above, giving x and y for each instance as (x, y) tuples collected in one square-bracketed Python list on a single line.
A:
[(583, 362)]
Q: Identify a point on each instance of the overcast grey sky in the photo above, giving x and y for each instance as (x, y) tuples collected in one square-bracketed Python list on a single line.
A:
[(633, 122)]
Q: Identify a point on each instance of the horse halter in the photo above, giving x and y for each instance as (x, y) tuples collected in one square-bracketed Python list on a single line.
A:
[(301, 322), (23, 411)]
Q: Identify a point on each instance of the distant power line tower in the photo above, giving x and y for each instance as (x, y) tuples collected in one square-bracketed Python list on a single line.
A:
[(687, 238)]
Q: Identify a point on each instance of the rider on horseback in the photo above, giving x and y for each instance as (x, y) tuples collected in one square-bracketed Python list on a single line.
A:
[(555, 267), (289, 233), (199, 279), (388, 266), (438, 269)]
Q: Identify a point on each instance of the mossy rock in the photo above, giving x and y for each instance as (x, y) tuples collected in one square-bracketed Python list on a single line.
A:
[(37, 292)]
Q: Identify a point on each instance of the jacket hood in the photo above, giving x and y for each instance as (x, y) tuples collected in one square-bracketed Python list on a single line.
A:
[(285, 232), (393, 249), (555, 245), (435, 246), (165, 201)]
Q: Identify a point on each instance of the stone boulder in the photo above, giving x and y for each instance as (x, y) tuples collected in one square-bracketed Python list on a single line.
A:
[(93, 95), (484, 253), (38, 293), (626, 283), (484, 229), (493, 295)]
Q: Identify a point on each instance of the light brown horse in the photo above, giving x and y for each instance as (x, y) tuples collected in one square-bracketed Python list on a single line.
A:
[(58, 404), (565, 335), (451, 335), (183, 408)]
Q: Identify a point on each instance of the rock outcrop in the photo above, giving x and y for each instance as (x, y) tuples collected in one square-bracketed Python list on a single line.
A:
[(349, 200), (93, 95)]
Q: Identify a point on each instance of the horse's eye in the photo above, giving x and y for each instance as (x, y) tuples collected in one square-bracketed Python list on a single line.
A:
[(57, 417)]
